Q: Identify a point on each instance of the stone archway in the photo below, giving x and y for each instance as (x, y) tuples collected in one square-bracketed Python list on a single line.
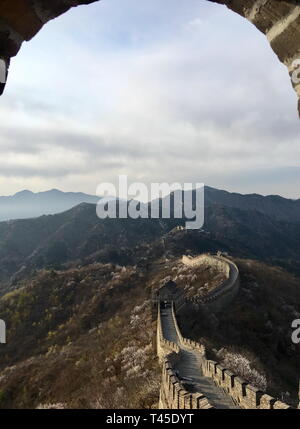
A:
[(279, 20)]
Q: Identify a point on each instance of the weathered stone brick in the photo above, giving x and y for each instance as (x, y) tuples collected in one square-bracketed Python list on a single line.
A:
[(20, 16)]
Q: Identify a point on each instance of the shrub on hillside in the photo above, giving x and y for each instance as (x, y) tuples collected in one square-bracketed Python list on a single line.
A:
[(241, 366)]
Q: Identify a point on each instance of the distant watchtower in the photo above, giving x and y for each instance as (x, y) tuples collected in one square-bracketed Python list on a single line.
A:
[(167, 293)]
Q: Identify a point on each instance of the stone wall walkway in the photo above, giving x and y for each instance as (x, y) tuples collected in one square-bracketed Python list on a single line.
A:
[(189, 367)]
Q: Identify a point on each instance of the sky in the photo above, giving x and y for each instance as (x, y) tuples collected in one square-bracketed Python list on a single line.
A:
[(172, 91)]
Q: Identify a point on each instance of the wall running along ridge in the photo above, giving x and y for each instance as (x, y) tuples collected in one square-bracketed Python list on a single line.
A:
[(279, 20), (222, 295), (172, 393)]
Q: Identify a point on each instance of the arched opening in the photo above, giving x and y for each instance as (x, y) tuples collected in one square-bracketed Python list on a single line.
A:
[(176, 94), (280, 20)]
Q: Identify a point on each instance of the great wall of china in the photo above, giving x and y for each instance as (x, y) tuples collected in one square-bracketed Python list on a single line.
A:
[(189, 379), (279, 20)]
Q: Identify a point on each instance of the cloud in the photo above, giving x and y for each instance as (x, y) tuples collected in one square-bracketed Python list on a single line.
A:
[(172, 91)]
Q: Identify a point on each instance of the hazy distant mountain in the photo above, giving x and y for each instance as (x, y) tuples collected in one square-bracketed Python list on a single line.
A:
[(26, 204), (275, 206)]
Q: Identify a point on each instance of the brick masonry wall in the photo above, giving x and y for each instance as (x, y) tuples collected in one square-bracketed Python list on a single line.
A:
[(164, 347), (244, 394), (174, 396), (224, 293)]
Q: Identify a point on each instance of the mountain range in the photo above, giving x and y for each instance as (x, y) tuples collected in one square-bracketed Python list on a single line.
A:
[(275, 206), (266, 228), (27, 204), (75, 292)]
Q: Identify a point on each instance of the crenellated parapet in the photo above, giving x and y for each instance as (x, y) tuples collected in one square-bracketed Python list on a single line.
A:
[(174, 395), (243, 393), (164, 347), (193, 345), (225, 292)]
